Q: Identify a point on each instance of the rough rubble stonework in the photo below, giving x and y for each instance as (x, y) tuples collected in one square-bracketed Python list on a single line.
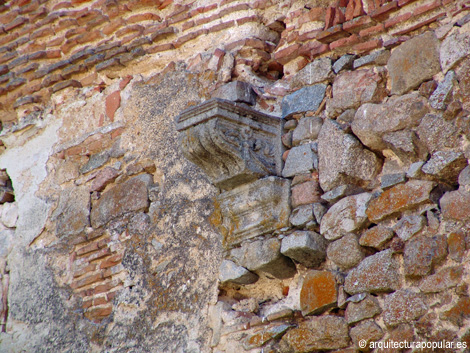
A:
[(233, 176)]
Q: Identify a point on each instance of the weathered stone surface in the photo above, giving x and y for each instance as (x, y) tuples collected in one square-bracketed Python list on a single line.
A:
[(303, 100), (318, 333), (265, 334), (399, 198), (340, 192), (306, 193), (317, 71), (403, 306), (368, 88), (253, 209), (9, 214), (456, 205), (345, 252), (318, 293), (376, 58), (301, 159), (444, 279), (319, 211), (409, 226), (445, 165), (301, 215), (364, 309), (307, 129), (308, 248), (456, 245), (422, 252), (95, 161), (441, 96), (453, 49), (413, 62), (236, 91), (347, 215), (73, 211), (367, 331), (406, 145), (264, 256), (104, 178), (343, 159), (458, 313), (389, 180), (464, 178), (376, 273), (398, 113), (128, 196), (287, 139), (344, 63), (414, 171), (437, 133), (231, 272), (376, 237)]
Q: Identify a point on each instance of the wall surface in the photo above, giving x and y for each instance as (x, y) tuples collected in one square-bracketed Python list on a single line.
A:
[(112, 241)]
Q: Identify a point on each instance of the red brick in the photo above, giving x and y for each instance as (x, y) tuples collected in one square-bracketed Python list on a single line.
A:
[(339, 17), (315, 14), (398, 19), (87, 16), (329, 17), (86, 281), (9, 17), (129, 29), (190, 36), (260, 4), (105, 287), (204, 20), (42, 33), (55, 42), (367, 46), (221, 26), (53, 54), (243, 20), (14, 24), (419, 24), (88, 37), (404, 2), (113, 101), (188, 25), (285, 55), (312, 49), (97, 255), (143, 17), (354, 9), (87, 304), (62, 5), (100, 301), (111, 295), (8, 38), (372, 30), (427, 7), (160, 48), (94, 246), (236, 8), (98, 313), (384, 11), (84, 269), (357, 24), (332, 34), (309, 35), (344, 42), (113, 26)]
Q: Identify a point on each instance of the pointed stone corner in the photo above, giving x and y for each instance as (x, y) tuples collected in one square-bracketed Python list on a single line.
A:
[(232, 143)]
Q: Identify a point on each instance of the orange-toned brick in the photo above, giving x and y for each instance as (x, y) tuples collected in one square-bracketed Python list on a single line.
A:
[(100, 301), (9, 17), (315, 14), (367, 46), (353, 9), (190, 36), (105, 287), (161, 47), (143, 17), (113, 26), (53, 54), (179, 18), (111, 261), (332, 34), (427, 7), (111, 295), (204, 20), (344, 42), (221, 26), (188, 25), (130, 29), (397, 19), (404, 2), (86, 281), (87, 304), (62, 5), (355, 25), (83, 270), (285, 55), (243, 20), (97, 255), (384, 11), (55, 42), (423, 23), (98, 313)]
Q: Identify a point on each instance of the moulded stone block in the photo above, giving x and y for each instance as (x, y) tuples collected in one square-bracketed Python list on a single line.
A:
[(236, 91)]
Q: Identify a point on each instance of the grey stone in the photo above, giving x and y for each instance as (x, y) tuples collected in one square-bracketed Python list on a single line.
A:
[(377, 58), (390, 180), (254, 209), (290, 124), (437, 133), (345, 252), (365, 332), (413, 62), (364, 309), (343, 159), (464, 177), (236, 91), (317, 71), (445, 165), (301, 159), (422, 252), (95, 161), (347, 215), (346, 117), (376, 237), (403, 306), (409, 226), (376, 273), (307, 248), (319, 211), (444, 279), (344, 63), (356, 298), (231, 272), (264, 256), (9, 214), (304, 100), (398, 113), (301, 215), (287, 139), (440, 97), (406, 145), (340, 192), (454, 48), (73, 211), (414, 171), (307, 129)]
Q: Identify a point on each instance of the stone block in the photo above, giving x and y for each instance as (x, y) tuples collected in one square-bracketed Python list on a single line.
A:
[(456, 245), (464, 177), (319, 211), (304, 100), (444, 279), (9, 214), (454, 48), (317, 71), (305, 247), (231, 272), (409, 226), (104, 178), (253, 209), (344, 63), (265, 334), (375, 274), (308, 128), (441, 96), (389, 180), (403, 306), (341, 191), (413, 62), (306, 193), (366, 308), (73, 211), (458, 313), (414, 171), (376, 237), (406, 145), (347, 215), (377, 58), (301, 215), (456, 205), (436, 133), (236, 91), (367, 331), (318, 293), (95, 161), (345, 252), (446, 166), (301, 159), (422, 252), (264, 256)]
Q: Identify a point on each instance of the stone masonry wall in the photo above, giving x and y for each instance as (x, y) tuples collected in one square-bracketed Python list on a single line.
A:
[(111, 241)]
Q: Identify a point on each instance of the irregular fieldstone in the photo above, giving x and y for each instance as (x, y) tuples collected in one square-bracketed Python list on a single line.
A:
[(104, 178), (364, 309), (73, 211), (367, 331), (319, 333), (456, 205), (236, 91), (376, 273), (304, 100), (444, 279), (464, 177), (265, 334), (426, 88), (353, 88), (409, 226), (422, 252), (9, 214), (406, 145), (345, 252), (454, 48), (389, 180), (398, 113), (414, 171), (301, 159), (347, 215), (458, 313), (317, 71), (440, 97), (399, 198), (340, 192), (301, 215), (318, 292), (346, 117), (344, 63), (413, 62), (287, 139), (445, 165), (231, 272), (95, 161), (128, 196), (264, 256), (403, 306), (343, 159), (319, 211), (376, 237), (305, 247), (456, 245), (376, 58), (437, 133), (307, 129), (305, 193)]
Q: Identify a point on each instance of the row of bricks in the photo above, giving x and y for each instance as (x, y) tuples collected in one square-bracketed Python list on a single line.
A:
[(92, 273)]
